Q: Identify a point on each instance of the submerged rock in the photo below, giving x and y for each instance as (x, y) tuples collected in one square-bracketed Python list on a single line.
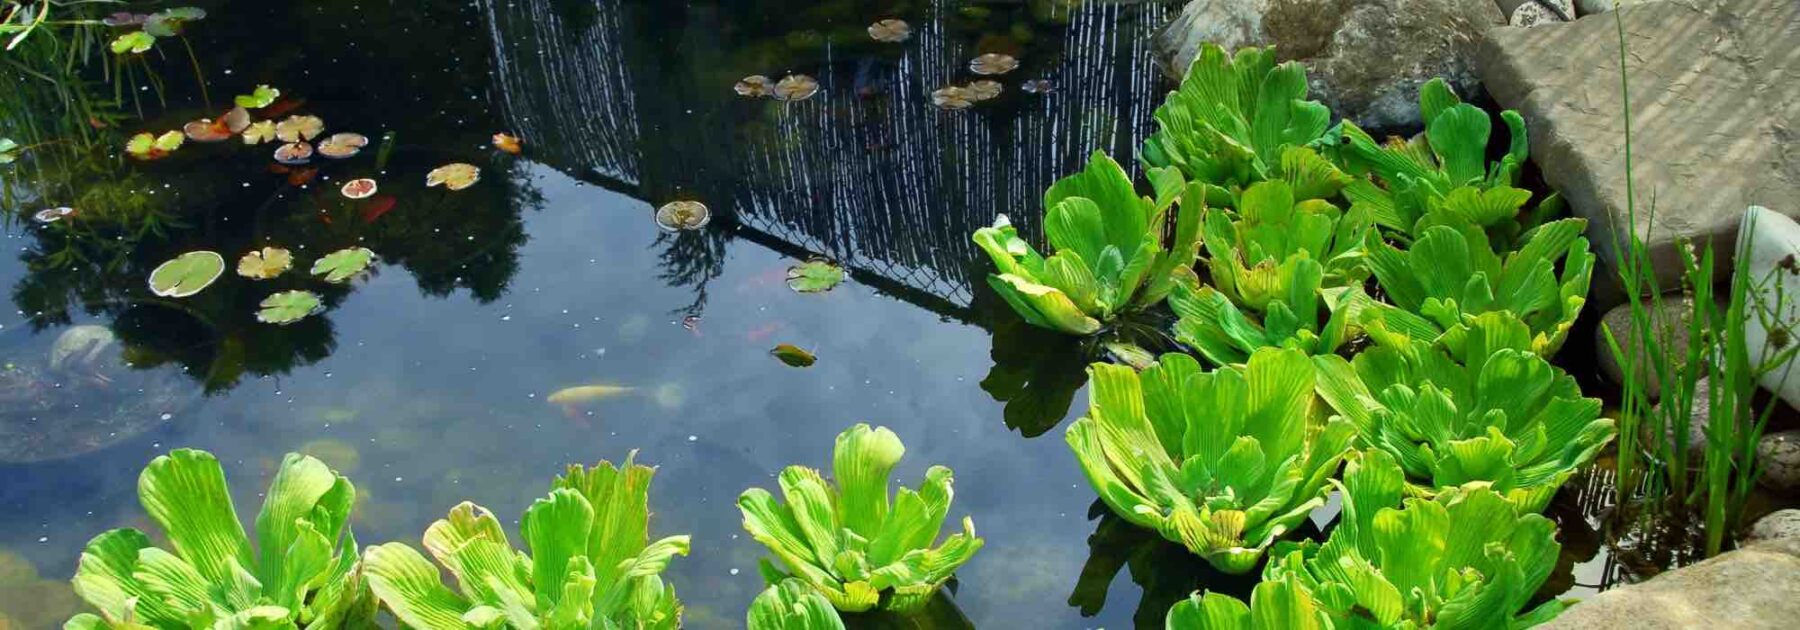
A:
[(82, 398), (1671, 323), (1779, 454), (1752, 587)]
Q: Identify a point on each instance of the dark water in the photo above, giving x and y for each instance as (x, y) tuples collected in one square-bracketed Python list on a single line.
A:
[(426, 382)]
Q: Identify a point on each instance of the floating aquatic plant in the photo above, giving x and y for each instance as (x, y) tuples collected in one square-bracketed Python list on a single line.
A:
[(299, 128), (187, 274), (1233, 120), (359, 188), (145, 146), (1221, 462), (1278, 604), (590, 565), (1306, 317), (288, 307), (9, 151), (456, 176), (1038, 86), (258, 98), (794, 356), (1477, 405), (795, 87), (265, 263), (890, 31), (984, 89), (294, 153), (852, 542), (1466, 559), (508, 143), (342, 265), (134, 43), (952, 97), (676, 216), (792, 605), (303, 571), (754, 86), (259, 132), (339, 146), (814, 276), (993, 64), (207, 130), (1251, 253), (1109, 256)]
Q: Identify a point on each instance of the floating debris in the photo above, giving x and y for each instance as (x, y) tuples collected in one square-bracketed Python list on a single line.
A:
[(359, 188), (52, 215), (237, 120), (259, 98), (796, 87), (753, 86), (794, 356), (147, 147), (1038, 86), (259, 132), (294, 153), (891, 31), (206, 130), (587, 393), (297, 128), (983, 89), (186, 274), (952, 97), (288, 307), (814, 276), (993, 64), (265, 263), (339, 146), (342, 265), (455, 176), (676, 216), (508, 143)]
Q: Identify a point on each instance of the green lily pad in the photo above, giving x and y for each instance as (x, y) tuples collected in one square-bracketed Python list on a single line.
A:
[(9, 150), (288, 307), (265, 263), (814, 276), (186, 274), (259, 98), (794, 355), (135, 42), (344, 264)]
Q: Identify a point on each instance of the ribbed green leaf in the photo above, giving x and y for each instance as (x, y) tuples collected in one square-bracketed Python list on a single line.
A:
[(185, 493), (408, 584), (791, 605)]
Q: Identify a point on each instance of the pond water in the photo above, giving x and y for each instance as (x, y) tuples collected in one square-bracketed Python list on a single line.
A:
[(427, 381)]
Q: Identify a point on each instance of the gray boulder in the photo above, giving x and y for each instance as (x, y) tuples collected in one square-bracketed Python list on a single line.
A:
[(1779, 454), (1778, 525), (1752, 587), (1671, 324)]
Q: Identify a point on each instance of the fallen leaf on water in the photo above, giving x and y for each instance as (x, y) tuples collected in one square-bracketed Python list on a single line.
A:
[(294, 153), (453, 176), (890, 31), (587, 393), (259, 132), (342, 265), (814, 276), (288, 307), (993, 63), (793, 355), (676, 216), (265, 263), (359, 188), (186, 274), (508, 143), (297, 128), (952, 97), (144, 146), (258, 98), (377, 207), (206, 130), (753, 86), (796, 87), (342, 145), (983, 90)]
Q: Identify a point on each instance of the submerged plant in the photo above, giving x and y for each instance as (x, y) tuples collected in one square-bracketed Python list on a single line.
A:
[(1476, 406), (1235, 119), (1222, 462), (792, 605), (1109, 256), (1466, 559), (302, 573), (851, 542), (591, 564)]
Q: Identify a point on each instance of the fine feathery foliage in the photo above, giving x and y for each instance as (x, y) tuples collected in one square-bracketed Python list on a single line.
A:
[(851, 542), (1238, 120), (1466, 559), (1475, 406), (1109, 256), (792, 605), (1222, 462), (591, 564), (303, 573)]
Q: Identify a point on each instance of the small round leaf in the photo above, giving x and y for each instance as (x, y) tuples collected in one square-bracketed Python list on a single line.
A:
[(186, 274)]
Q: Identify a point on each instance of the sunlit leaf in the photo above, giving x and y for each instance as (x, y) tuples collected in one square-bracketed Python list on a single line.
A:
[(754, 86), (683, 215), (265, 263), (206, 130), (144, 146), (297, 128), (508, 143), (455, 176), (186, 274), (294, 153), (890, 31), (952, 97), (796, 87), (984, 89), (339, 146), (259, 132), (344, 264), (359, 188), (814, 276), (288, 307), (259, 98), (793, 355), (135, 42), (993, 63), (9, 151)]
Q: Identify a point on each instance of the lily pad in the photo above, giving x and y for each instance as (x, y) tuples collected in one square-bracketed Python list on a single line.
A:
[(796, 87), (288, 307), (676, 216), (259, 132), (9, 151), (294, 153), (297, 128), (952, 97), (186, 274), (52, 215), (135, 43), (206, 130), (890, 31), (984, 89), (814, 276), (359, 188), (265, 263), (237, 119), (993, 64), (1038, 86), (794, 356), (508, 143), (754, 86), (343, 145), (258, 98), (342, 265), (453, 176), (144, 146)]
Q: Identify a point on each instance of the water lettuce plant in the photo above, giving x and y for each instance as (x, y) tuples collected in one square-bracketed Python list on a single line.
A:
[(591, 564), (1250, 253), (1235, 120), (851, 542), (302, 573), (1306, 317), (1279, 604), (1109, 256), (1452, 271), (1478, 405), (792, 605), (1466, 559), (1222, 462)]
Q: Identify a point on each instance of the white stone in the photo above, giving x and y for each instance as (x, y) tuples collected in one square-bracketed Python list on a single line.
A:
[(1769, 244)]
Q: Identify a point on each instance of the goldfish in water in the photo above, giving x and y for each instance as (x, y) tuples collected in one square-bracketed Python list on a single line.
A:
[(587, 393)]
